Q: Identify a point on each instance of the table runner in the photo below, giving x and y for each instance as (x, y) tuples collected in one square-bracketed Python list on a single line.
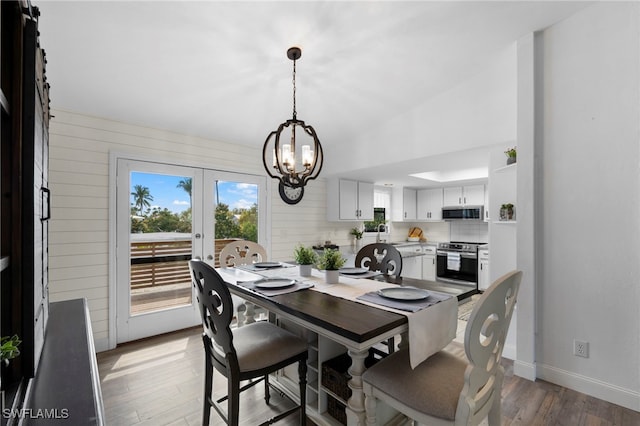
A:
[(441, 318)]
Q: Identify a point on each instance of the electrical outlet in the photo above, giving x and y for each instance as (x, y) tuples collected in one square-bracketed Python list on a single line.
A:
[(581, 348)]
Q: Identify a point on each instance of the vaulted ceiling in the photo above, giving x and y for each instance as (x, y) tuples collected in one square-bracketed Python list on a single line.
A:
[(218, 69)]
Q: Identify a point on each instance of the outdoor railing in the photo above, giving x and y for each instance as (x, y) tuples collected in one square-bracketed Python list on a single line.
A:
[(158, 263)]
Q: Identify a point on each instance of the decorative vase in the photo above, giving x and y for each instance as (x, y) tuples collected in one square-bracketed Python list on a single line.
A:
[(305, 270), (332, 276), (357, 245), (509, 214), (511, 160)]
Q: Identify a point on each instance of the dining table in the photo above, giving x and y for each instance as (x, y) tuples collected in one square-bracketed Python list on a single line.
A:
[(348, 314)]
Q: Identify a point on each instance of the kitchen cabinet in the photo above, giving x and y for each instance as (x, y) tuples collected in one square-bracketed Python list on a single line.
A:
[(349, 200), (483, 269), (429, 263), (403, 204), (429, 204), (472, 195), (412, 267)]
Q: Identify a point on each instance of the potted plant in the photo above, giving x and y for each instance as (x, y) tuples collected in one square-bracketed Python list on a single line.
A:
[(9, 348), (330, 261), (305, 257), (357, 235), (506, 211), (511, 155)]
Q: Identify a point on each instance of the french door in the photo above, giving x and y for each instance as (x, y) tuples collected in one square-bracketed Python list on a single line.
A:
[(167, 215)]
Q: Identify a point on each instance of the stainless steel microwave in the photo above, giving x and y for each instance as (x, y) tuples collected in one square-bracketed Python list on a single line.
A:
[(463, 213)]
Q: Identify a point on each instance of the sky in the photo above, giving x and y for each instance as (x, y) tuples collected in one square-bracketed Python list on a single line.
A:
[(166, 194)]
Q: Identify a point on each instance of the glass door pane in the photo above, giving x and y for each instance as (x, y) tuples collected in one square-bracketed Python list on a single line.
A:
[(236, 203), (160, 241)]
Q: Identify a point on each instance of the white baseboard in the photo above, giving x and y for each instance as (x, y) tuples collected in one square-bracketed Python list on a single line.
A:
[(525, 370), (102, 345), (606, 391)]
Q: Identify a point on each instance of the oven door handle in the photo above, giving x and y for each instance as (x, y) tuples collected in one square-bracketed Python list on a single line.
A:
[(462, 255)]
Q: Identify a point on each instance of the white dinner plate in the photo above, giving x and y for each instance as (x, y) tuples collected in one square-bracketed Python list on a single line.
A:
[(403, 293), (353, 271), (274, 283), (267, 264)]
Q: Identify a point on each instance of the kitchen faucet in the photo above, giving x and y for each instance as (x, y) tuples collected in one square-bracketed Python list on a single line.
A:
[(378, 240)]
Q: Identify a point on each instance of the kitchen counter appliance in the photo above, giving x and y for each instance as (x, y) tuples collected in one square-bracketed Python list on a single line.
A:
[(463, 213), (457, 262)]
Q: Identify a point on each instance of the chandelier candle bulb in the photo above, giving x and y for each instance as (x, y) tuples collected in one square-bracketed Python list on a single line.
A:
[(306, 155), (286, 154)]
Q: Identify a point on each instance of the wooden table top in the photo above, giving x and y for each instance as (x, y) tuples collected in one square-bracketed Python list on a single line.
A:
[(351, 320)]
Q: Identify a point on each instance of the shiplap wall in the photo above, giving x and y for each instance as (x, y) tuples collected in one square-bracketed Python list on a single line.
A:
[(79, 179)]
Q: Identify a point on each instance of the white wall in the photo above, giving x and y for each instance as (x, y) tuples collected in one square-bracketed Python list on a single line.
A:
[(478, 112), (79, 181), (589, 288)]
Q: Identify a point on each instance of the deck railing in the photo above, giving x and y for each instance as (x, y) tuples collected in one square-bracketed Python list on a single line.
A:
[(158, 263)]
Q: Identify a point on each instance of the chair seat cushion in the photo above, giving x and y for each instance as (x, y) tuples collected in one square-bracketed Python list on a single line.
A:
[(433, 387), (262, 344)]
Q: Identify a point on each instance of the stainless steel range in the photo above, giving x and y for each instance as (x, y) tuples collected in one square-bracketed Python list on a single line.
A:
[(457, 262)]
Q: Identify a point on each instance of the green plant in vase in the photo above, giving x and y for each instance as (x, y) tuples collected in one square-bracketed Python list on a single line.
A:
[(330, 261), (506, 211), (511, 154), (9, 348), (356, 232), (305, 257)]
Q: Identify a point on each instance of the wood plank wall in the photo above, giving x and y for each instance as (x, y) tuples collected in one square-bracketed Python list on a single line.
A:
[(79, 180)]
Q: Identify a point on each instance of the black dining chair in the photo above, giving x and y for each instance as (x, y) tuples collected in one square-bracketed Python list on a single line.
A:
[(380, 257), (384, 258), (250, 352)]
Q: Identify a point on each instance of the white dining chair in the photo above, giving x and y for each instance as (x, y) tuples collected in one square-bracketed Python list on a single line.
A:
[(241, 252), (238, 253), (446, 389)]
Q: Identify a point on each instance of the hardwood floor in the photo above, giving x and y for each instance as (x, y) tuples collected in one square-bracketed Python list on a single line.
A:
[(158, 381)]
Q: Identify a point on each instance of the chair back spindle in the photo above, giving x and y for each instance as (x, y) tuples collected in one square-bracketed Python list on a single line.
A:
[(380, 257)]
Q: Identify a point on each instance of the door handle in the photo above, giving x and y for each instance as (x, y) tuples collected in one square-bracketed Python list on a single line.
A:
[(209, 257), (197, 236)]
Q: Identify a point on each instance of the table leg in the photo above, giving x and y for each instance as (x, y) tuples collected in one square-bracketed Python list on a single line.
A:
[(250, 314), (355, 405), (404, 340)]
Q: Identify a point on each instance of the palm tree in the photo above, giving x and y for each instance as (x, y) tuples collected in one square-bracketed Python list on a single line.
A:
[(142, 197), (186, 185)]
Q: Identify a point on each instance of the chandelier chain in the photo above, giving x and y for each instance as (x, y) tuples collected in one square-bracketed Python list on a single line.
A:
[(294, 89)]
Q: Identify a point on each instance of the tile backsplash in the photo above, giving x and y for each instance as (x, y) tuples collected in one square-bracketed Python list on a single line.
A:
[(469, 231)]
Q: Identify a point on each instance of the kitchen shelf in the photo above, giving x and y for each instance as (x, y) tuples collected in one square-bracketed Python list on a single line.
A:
[(506, 169)]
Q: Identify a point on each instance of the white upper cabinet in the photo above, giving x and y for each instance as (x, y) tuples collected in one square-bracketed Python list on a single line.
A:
[(472, 195), (403, 204), (429, 204), (349, 200)]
